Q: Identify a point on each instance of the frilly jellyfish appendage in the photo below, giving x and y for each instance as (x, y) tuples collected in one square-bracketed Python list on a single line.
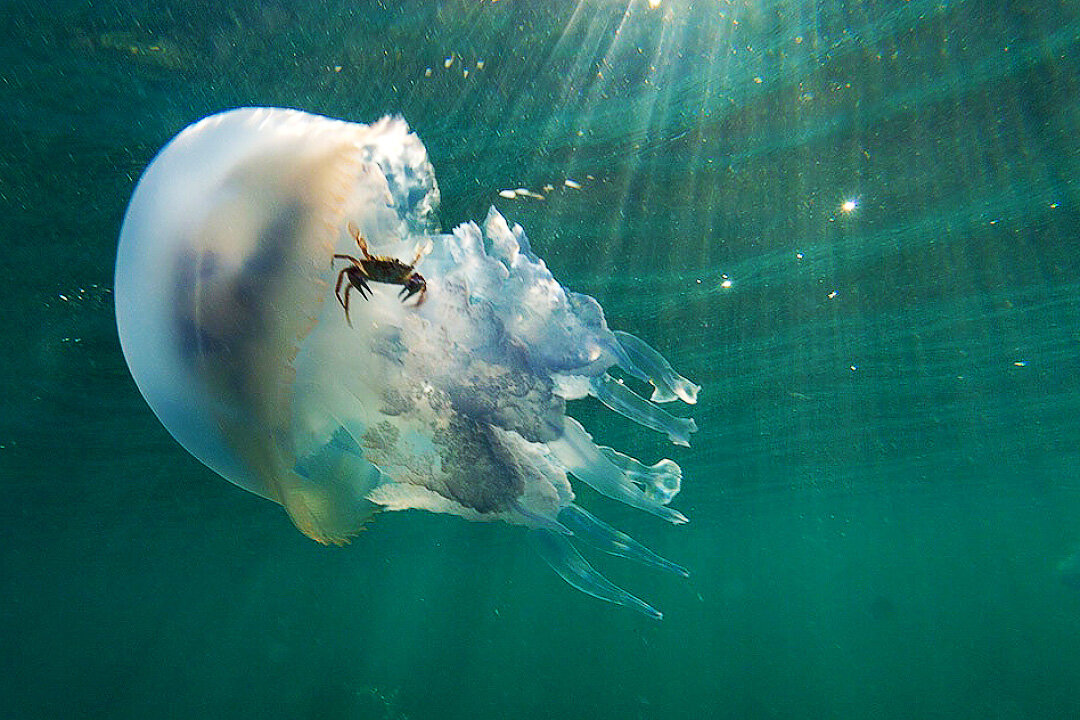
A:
[(226, 309)]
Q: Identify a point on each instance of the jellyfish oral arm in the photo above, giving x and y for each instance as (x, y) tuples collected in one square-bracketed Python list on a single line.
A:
[(651, 365), (615, 395), (585, 461)]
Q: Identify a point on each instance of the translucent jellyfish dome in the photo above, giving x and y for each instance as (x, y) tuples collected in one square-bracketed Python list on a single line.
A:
[(443, 388)]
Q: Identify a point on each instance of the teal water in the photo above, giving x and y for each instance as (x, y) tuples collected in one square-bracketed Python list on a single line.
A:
[(883, 495)]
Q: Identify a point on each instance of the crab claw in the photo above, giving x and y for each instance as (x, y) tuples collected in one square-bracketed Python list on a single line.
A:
[(415, 284), (407, 293)]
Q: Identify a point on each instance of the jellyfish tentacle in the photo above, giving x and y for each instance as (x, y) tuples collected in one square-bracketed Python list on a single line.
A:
[(565, 560), (661, 481), (668, 384), (599, 534), (614, 394), (542, 521), (576, 452)]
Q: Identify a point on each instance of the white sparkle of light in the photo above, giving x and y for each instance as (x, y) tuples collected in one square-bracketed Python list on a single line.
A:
[(654, 3), (850, 206)]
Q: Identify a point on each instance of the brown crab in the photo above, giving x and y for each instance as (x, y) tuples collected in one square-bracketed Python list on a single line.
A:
[(377, 268)]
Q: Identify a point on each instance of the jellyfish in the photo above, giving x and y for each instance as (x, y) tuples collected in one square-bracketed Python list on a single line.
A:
[(230, 321)]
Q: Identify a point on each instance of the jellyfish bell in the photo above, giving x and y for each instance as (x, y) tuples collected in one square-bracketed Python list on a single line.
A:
[(228, 320)]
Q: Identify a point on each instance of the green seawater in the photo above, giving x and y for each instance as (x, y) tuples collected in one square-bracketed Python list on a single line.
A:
[(855, 224)]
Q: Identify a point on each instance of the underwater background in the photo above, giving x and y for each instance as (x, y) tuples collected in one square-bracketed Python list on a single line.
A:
[(855, 224)]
